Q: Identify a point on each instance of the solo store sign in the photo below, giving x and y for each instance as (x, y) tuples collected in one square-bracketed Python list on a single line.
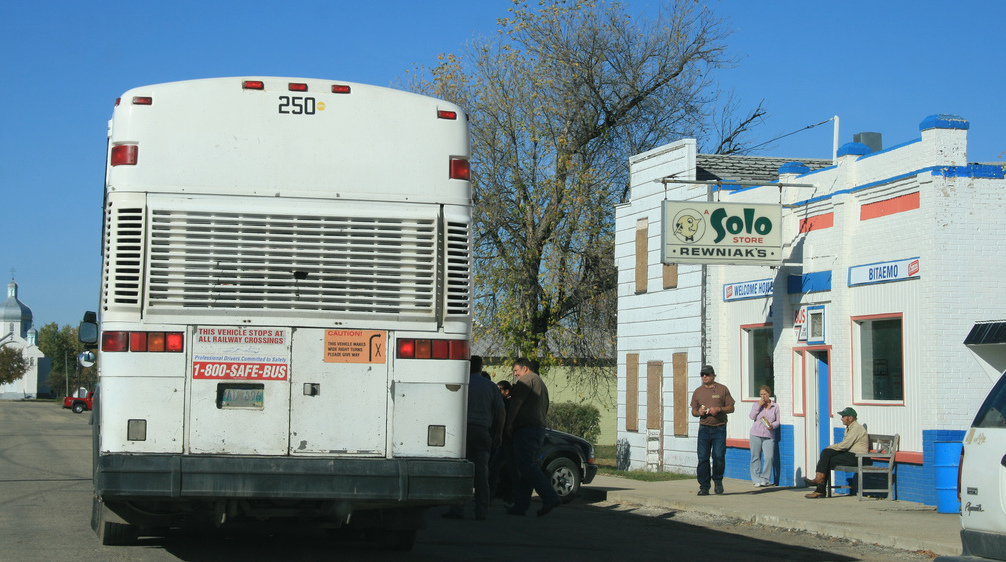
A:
[(721, 233)]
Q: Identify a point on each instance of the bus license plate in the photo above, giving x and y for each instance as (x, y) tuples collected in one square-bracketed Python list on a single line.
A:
[(240, 396)]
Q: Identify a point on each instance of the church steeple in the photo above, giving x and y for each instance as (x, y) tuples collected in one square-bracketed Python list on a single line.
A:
[(15, 317)]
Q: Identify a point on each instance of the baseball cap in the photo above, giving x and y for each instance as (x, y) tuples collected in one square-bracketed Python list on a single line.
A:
[(848, 412), (707, 370)]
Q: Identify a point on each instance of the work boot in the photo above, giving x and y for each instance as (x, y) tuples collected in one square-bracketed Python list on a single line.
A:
[(718, 487), (817, 481)]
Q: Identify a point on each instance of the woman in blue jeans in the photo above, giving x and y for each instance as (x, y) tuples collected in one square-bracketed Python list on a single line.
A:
[(765, 414)]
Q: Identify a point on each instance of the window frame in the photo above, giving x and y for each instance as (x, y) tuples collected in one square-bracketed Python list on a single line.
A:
[(858, 397), (748, 392)]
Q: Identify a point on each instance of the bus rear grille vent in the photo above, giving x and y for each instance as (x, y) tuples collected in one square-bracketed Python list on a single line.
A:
[(219, 260), (124, 256), (459, 269)]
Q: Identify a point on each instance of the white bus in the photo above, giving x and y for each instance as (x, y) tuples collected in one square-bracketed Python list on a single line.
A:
[(285, 309)]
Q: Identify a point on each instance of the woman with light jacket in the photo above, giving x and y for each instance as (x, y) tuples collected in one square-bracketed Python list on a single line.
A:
[(765, 414)]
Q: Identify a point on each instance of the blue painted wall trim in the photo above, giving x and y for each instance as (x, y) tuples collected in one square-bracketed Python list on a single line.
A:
[(889, 149), (809, 282), (853, 148), (739, 460), (944, 121), (793, 168)]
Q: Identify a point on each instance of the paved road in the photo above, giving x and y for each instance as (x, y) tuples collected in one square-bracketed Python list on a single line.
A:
[(45, 500)]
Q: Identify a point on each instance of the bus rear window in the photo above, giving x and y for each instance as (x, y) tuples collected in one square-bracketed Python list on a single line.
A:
[(993, 411)]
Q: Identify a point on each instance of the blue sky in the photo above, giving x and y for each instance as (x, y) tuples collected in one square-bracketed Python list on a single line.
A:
[(880, 66)]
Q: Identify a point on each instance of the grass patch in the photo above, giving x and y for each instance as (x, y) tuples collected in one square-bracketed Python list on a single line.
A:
[(605, 457), (642, 475)]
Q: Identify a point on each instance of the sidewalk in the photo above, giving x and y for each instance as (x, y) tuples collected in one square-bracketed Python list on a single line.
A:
[(898, 524)]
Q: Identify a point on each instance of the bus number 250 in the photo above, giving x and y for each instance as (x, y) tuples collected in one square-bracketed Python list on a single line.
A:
[(297, 105)]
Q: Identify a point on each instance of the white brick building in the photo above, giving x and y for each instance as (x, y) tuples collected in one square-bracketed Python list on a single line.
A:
[(890, 259)]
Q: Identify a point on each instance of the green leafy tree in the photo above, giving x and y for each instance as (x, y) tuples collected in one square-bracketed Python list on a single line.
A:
[(558, 100), (12, 364), (60, 344)]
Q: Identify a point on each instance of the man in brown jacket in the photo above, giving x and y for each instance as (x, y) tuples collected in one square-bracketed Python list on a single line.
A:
[(711, 403)]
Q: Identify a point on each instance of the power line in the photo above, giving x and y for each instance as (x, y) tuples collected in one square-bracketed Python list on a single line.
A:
[(789, 134)]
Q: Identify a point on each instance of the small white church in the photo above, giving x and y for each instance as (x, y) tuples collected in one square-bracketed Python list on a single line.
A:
[(16, 331)]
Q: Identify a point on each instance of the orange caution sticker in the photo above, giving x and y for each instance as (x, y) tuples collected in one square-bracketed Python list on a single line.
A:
[(356, 346)]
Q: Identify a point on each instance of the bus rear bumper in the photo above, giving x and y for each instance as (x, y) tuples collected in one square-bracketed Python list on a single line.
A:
[(378, 482)]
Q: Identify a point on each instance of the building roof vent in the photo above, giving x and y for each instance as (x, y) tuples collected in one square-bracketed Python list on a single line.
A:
[(871, 140)]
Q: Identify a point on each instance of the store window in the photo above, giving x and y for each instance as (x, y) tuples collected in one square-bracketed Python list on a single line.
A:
[(879, 362), (758, 347)]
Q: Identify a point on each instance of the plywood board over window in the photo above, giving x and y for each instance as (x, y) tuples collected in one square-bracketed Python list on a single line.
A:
[(654, 394), (670, 276), (682, 408), (642, 251), (632, 392)]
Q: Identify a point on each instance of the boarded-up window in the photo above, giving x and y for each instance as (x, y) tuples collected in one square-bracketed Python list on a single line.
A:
[(682, 406), (670, 276), (632, 392), (642, 232), (654, 394)]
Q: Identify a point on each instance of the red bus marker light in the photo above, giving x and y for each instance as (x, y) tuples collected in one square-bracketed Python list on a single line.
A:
[(460, 169), (124, 155)]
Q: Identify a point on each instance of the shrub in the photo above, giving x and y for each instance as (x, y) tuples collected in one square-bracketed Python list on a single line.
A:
[(582, 420)]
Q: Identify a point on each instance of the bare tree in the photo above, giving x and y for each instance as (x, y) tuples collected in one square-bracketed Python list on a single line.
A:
[(559, 99)]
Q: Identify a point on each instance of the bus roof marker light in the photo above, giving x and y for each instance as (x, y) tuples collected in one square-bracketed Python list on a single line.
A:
[(253, 85), (297, 87), (124, 155), (444, 114), (340, 89), (143, 100)]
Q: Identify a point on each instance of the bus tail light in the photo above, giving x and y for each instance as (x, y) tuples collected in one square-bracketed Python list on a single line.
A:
[(154, 342), (114, 341), (124, 154), (409, 348), (460, 169)]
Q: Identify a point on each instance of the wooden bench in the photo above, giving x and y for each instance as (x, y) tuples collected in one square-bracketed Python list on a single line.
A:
[(883, 448)]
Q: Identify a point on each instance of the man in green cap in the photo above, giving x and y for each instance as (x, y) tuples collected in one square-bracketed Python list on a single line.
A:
[(840, 454)]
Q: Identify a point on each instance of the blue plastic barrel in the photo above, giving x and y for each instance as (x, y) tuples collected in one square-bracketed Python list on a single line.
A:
[(948, 455)]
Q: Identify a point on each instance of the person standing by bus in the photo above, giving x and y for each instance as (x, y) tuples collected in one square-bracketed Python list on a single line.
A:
[(711, 403), (526, 424), (486, 415)]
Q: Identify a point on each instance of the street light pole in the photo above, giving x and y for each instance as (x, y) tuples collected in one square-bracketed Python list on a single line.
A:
[(66, 372)]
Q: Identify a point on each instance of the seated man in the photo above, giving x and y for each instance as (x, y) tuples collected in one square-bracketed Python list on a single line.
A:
[(840, 454)]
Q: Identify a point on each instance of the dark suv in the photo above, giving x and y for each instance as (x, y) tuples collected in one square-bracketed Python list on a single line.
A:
[(566, 459)]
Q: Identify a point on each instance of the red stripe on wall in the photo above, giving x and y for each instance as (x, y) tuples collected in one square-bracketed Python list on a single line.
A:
[(818, 222), (889, 206), (739, 443)]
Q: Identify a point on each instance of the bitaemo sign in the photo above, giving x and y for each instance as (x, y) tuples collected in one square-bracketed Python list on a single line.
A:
[(721, 233)]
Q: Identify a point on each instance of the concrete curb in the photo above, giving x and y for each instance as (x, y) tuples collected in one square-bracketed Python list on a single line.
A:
[(829, 529)]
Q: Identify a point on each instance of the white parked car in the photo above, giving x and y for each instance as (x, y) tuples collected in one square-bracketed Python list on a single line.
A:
[(983, 481)]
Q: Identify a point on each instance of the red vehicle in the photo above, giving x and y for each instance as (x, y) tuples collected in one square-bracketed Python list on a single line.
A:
[(78, 404)]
